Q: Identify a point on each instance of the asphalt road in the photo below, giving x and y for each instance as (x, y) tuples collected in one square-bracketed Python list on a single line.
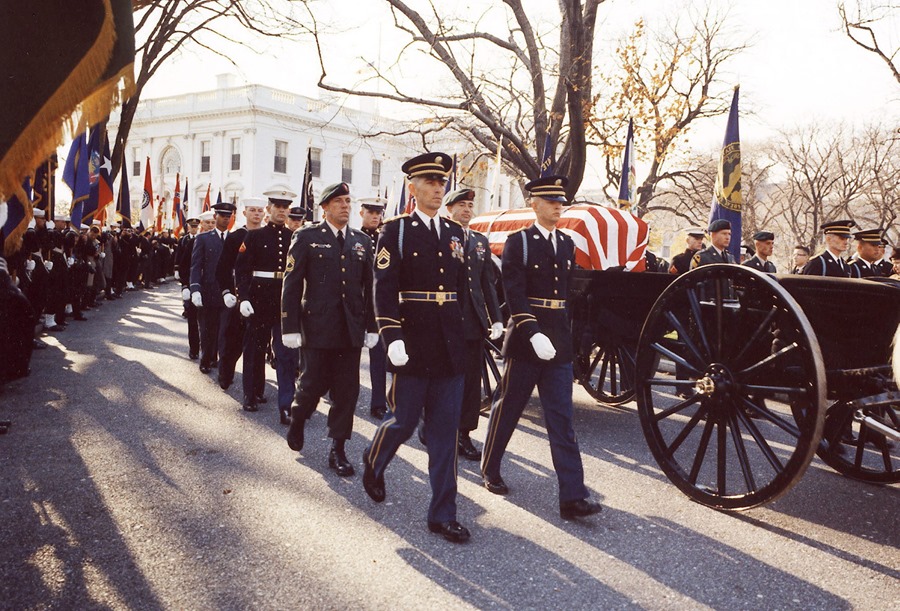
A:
[(131, 480)]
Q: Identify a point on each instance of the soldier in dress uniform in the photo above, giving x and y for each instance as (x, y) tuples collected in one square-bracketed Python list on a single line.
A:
[(830, 262), (681, 263), (419, 275), (537, 268), (183, 265), (481, 315), (765, 244), (295, 219), (371, 212), (327, 309), (259, 272), (206, 294), (717, 252), (868, 252), (799, 258), (883, 266)]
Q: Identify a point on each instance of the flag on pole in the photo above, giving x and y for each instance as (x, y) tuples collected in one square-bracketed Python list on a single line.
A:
[(147, 212), (123, 205), (95, 154), (451, 180), (547, 157), (410, 203), (206, 204), (306, 195), (77, 177), (184, 199), (177, 211), (726, 200), (15, 215), (401, 203), (628, 179), (234, 214), (160, 214), (105, 192), (44, 196)]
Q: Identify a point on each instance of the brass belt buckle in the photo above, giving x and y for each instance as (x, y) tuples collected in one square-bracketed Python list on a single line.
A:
[(440, 298)]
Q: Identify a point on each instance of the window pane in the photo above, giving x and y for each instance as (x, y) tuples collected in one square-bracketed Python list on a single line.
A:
[(376, 172), (136, 168), (347, 168), (315, 166), (204, 156), (281, 156)]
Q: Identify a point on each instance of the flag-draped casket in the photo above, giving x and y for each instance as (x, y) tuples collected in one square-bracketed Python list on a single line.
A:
[(604, 237)]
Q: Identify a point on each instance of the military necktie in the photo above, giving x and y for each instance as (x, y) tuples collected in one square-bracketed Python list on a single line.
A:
[(341, 239), (434, 230), (222, 235), (553, 241)]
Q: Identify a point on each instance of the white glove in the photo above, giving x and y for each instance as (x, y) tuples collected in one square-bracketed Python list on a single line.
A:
[(246, 309), (29, 265), (48, 265), (138, 251), (291, 340), (68, 308), (185, 294), (543, 347), (197, 299), (370, 340), (229, 299), (397, 353), (103, 256), (70, 261), (496, 330), (177, 275)]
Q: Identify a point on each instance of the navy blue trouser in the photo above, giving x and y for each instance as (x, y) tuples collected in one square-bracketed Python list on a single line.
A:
[(260, 331), (440, 398), (213, 323), (554, 383)]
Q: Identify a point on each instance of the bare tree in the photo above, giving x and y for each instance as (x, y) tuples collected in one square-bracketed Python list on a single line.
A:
[(666, 82), (528, 88), (861, 25), (164, 27)]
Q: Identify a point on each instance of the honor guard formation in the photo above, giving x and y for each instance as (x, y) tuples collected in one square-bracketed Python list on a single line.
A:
[(418, 291)]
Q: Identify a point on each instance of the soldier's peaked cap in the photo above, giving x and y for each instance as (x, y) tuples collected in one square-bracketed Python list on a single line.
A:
[(373, 203), (429, 164), (224, 208), (719, 225), (460, 195), (332, 191), (549, 187), (280, 197), (841, 228), (873, 236), (297, 213), (697, 232)]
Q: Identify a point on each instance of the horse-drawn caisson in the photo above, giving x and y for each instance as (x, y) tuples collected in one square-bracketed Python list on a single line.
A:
[(740, 377)]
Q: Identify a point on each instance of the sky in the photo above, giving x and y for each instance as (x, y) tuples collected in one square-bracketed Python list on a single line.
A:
[(799, 67)]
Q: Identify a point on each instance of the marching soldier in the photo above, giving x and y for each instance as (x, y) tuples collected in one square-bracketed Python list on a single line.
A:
[(327, 309), (259, 271), (371, 211), (419, 275), (537, 268), (206, 294), (868, 252), (883, 266), (681, 263), (717, 251), (830, 262), (183, 265), (481, 315), (765, 245)]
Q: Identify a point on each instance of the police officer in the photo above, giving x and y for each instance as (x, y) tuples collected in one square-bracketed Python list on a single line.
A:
[(717, 251), (830, 263), (206, 294), (183, 265), (765, 245), (419, 275), (259, 271), (537, 267), (868, 252), (481, 315), (371, 212), (681, 262), (327, 309)]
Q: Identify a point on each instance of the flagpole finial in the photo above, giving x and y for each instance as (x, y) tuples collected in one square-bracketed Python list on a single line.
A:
[(738, 86)]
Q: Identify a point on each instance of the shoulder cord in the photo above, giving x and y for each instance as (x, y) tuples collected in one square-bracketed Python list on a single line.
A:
[(524, 249)]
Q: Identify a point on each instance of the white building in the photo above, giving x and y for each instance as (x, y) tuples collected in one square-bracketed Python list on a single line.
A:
[(245, 140)]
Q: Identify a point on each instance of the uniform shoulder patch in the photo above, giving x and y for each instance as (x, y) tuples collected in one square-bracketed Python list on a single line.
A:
[(289, 264), (396, 218), (447, 218), (243, 247), (383, 258)]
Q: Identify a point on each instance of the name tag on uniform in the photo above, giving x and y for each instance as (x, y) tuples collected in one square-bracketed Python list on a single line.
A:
[(315, 245)]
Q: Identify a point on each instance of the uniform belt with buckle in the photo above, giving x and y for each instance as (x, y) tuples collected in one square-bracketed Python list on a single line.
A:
[(552, 304), (274, 275), (438, 297)]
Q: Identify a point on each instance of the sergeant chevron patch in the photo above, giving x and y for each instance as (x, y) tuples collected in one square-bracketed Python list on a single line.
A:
[(289, 264), (383, 259)]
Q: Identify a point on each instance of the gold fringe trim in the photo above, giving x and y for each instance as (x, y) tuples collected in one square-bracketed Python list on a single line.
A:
[(11, 243), (46, 130), (108, 95)]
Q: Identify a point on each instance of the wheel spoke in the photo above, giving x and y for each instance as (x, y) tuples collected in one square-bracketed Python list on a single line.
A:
[(761, 442), (757, 334), (721, 439), (601, 379), (676, 408), (701, 452), (784, 390), (741, 453), (684, 337), (613, 379), (678, 359), (668, 382), (769, 359), (695, 309), (626, 372), (676, 443), (860, 447), (776, 420), (720, 332)]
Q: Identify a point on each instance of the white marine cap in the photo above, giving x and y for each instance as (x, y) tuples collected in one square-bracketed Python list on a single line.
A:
[(255, 202), (206, 216)]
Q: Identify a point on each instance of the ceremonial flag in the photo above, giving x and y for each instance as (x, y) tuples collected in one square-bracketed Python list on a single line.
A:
[(451, 180), (148, 215), (44, 196), (628, 179), (410, 203), (160, 214), (726, 201), (306, 194), (76, 175), (99, 167), (547, 157), (233, 214), (206, 204), (105, 191), (219, 197), (401, 203), (184, 199), (123, 206), (15, 215), (177, 211)]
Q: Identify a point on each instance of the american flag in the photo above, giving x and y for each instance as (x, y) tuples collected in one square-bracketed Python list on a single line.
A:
[(604, 237)]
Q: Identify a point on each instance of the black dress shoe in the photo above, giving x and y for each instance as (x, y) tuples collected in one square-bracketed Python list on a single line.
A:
[(205, 369), (250, 405), (337, 460), (452, 531), (467, 449), (193, 356), (224, 383), (378, 412), (295, 432), (374, 486), (496, 485), (284, 413), (262, 399), (569, 510)]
